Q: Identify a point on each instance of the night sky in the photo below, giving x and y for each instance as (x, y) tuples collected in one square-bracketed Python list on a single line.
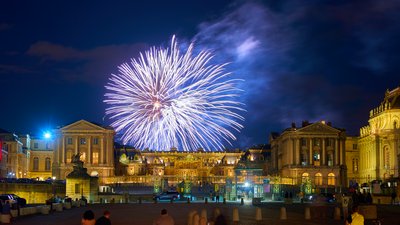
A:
[(320, 60)]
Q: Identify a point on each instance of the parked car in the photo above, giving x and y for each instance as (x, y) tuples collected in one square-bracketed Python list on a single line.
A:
[(169, 195), (13, 199)]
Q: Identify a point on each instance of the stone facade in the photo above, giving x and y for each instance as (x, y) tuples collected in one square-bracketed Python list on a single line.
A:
[(94, 142), (379, 143), (313, 152)]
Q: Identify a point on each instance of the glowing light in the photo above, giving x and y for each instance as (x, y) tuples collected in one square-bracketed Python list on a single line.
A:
[(47, 135), (167, 99)]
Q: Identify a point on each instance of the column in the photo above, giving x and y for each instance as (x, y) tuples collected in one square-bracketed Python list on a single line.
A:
[(63, 149), (101, 152), (336, 152), (310, 161), (343, 157), (89, 157), (396, 157), (323, 152), (297, 151), (290, 158), (76, 144)]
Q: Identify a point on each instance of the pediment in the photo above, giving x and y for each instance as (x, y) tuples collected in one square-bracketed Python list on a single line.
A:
[(82, 125), (319, 128)]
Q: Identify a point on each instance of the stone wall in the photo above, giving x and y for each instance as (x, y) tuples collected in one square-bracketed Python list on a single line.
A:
[(33, 193)]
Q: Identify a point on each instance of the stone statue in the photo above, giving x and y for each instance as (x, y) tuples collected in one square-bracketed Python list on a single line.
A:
[(76, 159)]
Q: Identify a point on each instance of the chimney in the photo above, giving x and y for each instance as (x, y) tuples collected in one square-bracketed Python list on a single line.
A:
[(329, 123), (293, 125), (304, 123)]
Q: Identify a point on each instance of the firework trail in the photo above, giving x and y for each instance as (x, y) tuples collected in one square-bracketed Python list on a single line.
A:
[(166, 99)]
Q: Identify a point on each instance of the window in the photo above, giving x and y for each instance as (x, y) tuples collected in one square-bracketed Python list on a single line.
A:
[(69, 140), (304, 177), (316, 158), (354, 146), (69, 157), (355, 165), (329, 142), (330, 159), (331, 179), (35, 164), (77, 188), (35, 145), (303, 142), (303, 159), (95, 141), (83, 141), (83, 157), (395, 124), (318, 179), (317, 142), (95, 156), (47, 165)]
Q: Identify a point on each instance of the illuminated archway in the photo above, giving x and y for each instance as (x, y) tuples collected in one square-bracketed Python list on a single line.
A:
[(331, 179)]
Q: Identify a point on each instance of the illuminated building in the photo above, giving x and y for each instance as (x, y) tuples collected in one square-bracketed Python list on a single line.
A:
[(311, 156), (15, 160), (41, 157), (95, 144), (379, 141)]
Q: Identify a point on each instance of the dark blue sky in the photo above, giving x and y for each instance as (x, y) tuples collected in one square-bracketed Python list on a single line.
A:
[(320, 60)]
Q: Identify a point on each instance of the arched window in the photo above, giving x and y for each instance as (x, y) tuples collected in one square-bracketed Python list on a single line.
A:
[(47, 164), (331, 179), (35, 164), (395, 124), (318, 179), (304, 177)]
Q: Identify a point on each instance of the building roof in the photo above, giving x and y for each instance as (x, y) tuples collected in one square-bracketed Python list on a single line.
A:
[(393, 97)]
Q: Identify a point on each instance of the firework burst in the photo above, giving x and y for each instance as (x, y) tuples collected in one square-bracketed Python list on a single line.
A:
[(166, 99)]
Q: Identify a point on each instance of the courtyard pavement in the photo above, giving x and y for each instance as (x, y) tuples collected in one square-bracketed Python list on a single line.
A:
[(138, 214)]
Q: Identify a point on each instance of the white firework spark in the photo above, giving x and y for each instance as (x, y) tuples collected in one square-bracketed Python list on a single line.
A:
[(167, 99)]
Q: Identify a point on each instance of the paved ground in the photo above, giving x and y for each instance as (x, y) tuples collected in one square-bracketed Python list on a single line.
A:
[(124, 214)]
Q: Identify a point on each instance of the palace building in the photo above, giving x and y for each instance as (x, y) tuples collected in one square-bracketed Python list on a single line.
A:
[(313, 153), (379, 141), (314, 156), (93, 142)]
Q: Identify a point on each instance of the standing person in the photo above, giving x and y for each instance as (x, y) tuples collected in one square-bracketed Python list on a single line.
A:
[(394, 197), (164, 219), (105, 219), (88, 218), (355, 218)]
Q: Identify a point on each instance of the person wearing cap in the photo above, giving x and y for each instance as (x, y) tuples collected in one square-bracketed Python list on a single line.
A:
[(105, 219)]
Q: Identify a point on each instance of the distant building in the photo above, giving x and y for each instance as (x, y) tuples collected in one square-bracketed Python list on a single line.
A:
[(312, 155), (15, 159)]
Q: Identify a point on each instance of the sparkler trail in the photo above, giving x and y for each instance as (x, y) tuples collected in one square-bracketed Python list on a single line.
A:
[(166, 99)]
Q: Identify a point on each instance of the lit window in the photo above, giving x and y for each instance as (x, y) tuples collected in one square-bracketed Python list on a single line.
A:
[(83, 156), (354, 146), (331, 179), (69, 156), (318, 179), (95, 156)]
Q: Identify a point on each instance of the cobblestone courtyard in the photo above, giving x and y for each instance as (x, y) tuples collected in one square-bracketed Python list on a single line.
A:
[(124, 214)]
